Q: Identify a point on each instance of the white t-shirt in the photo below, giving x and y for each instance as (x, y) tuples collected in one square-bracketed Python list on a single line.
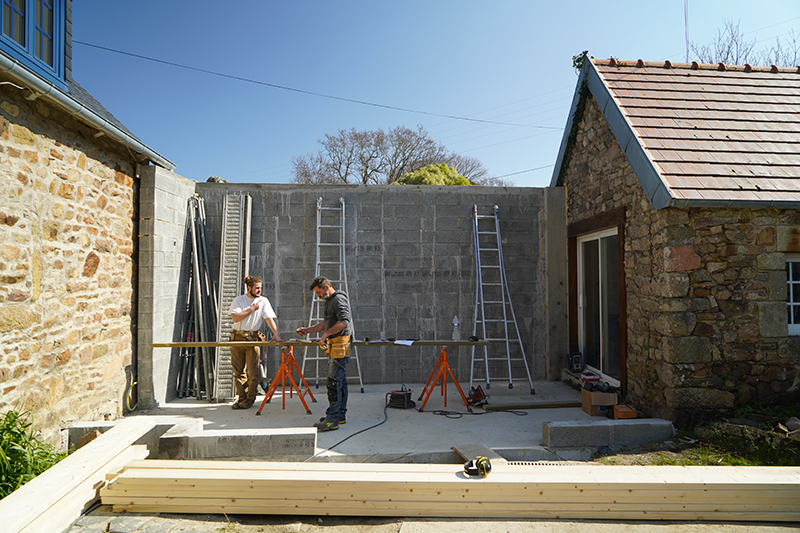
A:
[(253, 321)]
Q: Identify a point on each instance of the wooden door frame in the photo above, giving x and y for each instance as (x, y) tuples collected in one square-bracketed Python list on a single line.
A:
[(596, 223)]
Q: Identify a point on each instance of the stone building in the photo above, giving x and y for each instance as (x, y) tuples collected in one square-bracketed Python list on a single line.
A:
[(69, 196), (684, 232)]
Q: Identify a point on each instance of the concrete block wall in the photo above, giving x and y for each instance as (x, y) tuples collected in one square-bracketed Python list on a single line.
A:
[(164, 270), (410, 266)]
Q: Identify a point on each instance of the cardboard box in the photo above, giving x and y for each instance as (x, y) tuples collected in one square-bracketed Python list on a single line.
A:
[(592, 402), (624, 411)]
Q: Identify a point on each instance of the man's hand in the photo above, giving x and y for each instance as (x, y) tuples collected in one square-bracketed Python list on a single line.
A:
[(301, 331), (254, 306)]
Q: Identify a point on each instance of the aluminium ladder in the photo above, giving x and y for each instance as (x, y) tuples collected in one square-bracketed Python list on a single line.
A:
[(234, 265), (494, 314), (331, 263)]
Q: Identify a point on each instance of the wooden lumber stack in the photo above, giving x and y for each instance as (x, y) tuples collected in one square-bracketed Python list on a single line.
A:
[(512, 490), (55, 498)]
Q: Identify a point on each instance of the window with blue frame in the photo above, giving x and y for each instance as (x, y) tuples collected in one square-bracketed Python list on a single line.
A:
[(33, 34), (793, 293)]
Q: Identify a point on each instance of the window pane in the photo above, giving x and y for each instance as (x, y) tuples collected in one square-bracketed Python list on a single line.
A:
[(7, 20), (795, 270), (43, 45), (14, 20), (796, 317), (591, 302), (610, 300)]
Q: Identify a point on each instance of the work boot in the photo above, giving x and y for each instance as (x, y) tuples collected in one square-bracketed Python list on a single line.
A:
[(324, 418), (246, 403), (326, 426)]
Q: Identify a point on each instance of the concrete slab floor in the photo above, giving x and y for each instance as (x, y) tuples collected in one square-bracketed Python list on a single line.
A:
[(436, 429), (405, 431)]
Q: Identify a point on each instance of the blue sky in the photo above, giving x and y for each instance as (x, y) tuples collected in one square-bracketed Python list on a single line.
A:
[(504, 61)]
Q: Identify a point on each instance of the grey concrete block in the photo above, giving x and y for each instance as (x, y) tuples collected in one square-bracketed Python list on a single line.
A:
[(605, 432)]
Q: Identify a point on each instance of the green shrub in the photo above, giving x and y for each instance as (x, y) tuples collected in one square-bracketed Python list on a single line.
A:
[(22, 455)]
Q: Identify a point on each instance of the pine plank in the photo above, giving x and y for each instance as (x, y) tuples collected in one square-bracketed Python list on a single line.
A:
[(81, 496), (558, 495), (517, 490), (472, 510), (471, 451), (35, 498)]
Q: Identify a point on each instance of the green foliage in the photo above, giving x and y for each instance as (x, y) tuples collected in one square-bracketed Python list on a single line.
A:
[(22, 456), (577, 61), (442, 174)]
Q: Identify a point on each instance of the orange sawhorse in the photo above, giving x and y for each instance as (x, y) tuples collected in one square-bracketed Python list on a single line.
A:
[(285, 371), (440, 371)]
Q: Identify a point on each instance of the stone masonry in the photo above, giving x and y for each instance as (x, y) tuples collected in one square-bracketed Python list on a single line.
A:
[(67, 266), (706, 288)]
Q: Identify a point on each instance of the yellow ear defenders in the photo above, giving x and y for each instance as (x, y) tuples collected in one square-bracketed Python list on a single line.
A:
[(480, 466)]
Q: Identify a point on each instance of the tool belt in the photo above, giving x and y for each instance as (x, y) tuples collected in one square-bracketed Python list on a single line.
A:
[(255, 336), (338, 347)]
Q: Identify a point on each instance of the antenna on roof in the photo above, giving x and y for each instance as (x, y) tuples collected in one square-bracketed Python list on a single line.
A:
[(686, 26)]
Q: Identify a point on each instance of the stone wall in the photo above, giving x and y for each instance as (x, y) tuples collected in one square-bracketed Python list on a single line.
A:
[(67, 266), (706, 288)]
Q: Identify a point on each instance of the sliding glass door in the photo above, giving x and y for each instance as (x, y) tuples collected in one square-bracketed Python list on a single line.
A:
[(599, 305)]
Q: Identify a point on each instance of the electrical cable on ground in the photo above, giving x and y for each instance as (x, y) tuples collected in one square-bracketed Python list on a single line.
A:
[(393, 400)]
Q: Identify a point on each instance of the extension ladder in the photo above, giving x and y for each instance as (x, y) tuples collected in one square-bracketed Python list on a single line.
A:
[(494, 314), (234, 265), (331, 263)]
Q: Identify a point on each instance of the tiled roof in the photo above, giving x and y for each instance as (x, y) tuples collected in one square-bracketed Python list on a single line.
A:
[(700, 134)]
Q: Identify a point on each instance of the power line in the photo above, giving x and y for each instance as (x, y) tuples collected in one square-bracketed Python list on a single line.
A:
[(524, 171), (311, 93)]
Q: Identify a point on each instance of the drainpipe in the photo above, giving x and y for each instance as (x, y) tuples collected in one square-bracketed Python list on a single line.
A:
[(39, 87)]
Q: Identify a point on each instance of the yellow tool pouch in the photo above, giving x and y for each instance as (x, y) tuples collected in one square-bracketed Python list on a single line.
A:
[(338, 347)]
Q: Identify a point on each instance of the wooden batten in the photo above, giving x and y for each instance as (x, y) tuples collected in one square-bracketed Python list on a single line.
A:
[(512, 490)]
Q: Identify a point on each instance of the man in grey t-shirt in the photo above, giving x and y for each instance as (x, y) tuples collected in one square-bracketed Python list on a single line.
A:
[(336, 329)]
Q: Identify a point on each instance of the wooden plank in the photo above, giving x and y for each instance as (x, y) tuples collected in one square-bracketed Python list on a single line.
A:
[(249, 344), (632, 476), (480, 514), (490, 507), (27, 503), (559, 495), (531, 491), (461, 510), (569, 473), (471, 451), (82, 495), (533, 404)]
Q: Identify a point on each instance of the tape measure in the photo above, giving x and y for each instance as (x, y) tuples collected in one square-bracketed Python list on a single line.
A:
[(480, 466)]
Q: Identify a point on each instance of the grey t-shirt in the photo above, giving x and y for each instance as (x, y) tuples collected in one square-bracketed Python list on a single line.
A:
[(337, 309)]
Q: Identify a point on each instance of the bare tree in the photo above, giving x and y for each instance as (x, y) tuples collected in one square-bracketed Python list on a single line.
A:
[(730, 47), (377, 157), (788, 56)]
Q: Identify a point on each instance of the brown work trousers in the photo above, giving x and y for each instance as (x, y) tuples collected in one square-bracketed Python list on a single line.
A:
[(244, 361)]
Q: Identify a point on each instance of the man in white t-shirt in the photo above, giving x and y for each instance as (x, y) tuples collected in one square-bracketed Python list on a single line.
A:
[(247, 312)]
